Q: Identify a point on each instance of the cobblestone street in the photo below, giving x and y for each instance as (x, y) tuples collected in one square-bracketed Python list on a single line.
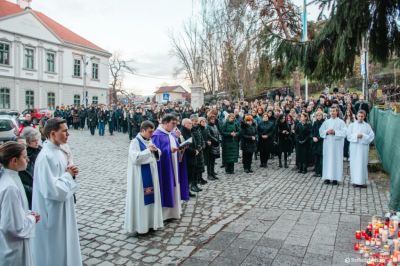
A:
[(274, 216)]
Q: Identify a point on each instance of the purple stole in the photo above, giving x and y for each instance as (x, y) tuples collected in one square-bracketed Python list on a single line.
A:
[(147, 178)]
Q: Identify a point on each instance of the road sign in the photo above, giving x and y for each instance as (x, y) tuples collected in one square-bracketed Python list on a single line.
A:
[(165, 96)]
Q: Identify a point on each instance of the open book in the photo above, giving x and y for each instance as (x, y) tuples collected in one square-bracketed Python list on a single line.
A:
[(186, 142)]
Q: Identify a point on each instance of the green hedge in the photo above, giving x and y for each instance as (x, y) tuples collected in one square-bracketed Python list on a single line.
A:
[(386, 124)]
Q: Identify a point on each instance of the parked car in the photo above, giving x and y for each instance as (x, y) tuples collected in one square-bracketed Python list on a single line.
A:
[(36, 114), (12, 113), (8, 128)]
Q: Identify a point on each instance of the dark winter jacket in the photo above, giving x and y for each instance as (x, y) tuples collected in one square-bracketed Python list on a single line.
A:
[(230, 144), (248, 134)]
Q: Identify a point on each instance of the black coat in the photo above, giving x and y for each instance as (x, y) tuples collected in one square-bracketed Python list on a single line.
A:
[(266, 128), (247, 133), (284, 140), (27, 175), (317, 146), (214, 136), (92, 118), (196, 162), (303, 141), (200, 145)]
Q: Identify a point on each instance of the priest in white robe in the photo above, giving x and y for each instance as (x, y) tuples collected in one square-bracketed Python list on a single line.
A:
[(17, 222), (360, 135), (56, 241), (143, 208), (333, 131)]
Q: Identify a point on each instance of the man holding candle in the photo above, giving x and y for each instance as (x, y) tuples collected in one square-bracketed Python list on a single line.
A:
[(360, 135), (333, 131)]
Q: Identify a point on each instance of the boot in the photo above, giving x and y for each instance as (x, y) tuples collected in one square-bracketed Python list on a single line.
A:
[(214, 175), (202, 181), (280, 163), (286, 166), (194, 188), (211, 178), (192, 195)]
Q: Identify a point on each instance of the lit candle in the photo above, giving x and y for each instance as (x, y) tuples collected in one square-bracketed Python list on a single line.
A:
[(378, 242), (358, 235), (384, 236), (396, 244), (367, 242), (372, 242)]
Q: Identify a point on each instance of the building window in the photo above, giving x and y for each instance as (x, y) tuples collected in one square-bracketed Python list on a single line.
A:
[(77, 68), (29, 53), (51, 62), (77, 100), (4, 53), (29, 99), (95, 100), (95, 71), (51, 100), (5, 98)]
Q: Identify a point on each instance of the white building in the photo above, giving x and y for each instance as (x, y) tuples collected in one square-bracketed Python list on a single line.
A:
[(42, 63), (171, 94)]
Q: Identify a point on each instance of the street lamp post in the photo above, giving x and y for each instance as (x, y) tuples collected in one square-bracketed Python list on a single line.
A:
[(85, 61)]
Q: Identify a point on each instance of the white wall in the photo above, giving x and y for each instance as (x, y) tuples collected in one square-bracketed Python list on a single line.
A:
[(25, 30)]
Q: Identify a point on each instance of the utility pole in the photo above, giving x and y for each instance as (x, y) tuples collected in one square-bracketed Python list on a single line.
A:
[(305, 39)]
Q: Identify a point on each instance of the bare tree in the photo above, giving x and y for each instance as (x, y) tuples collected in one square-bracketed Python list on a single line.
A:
[(118, 67)]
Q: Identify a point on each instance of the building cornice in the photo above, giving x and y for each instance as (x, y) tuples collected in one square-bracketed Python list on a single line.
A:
[(51, 82)]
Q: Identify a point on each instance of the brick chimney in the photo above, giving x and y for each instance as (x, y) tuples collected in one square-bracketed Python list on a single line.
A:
[(24, 4)]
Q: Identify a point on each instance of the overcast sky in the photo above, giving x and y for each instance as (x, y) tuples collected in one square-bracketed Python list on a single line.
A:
[(137, 29)]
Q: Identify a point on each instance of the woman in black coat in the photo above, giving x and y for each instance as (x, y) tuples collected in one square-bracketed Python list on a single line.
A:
[(317, 144), (248, 135), (266, 130), (283, 135), (213, 146), (303, 137)]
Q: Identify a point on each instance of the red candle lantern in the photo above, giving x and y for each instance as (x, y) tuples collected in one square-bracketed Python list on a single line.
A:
[(363, 234), (356, 246), (358, 235), (369, 227)]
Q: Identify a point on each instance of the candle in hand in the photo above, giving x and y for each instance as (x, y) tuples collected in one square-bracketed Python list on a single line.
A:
[(358, 235)]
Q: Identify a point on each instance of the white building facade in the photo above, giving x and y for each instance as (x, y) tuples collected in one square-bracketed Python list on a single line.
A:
[(44, 65)]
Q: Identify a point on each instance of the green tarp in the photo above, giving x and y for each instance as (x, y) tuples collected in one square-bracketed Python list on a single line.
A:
[(386, 124)]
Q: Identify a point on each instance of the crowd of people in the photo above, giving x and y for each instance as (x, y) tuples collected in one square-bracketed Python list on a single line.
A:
[(172, 153)]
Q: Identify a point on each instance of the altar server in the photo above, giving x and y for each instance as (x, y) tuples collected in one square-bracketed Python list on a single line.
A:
[(333, 131), (360, 135), (56, 240), (17, 223)]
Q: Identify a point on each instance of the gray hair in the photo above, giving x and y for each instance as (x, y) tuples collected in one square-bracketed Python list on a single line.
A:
[(185, 121), (30, 134)]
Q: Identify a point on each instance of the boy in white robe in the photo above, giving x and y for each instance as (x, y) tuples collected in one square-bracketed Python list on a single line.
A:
[(360, 135), (56, 241), (143, 201), (333, 131), (17, 223)]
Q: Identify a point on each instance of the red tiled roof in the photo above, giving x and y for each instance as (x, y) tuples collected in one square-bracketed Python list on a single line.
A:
[(168, 89), (8, 8)]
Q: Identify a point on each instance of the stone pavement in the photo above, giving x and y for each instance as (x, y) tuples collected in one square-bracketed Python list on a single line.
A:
[(272, 216)]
